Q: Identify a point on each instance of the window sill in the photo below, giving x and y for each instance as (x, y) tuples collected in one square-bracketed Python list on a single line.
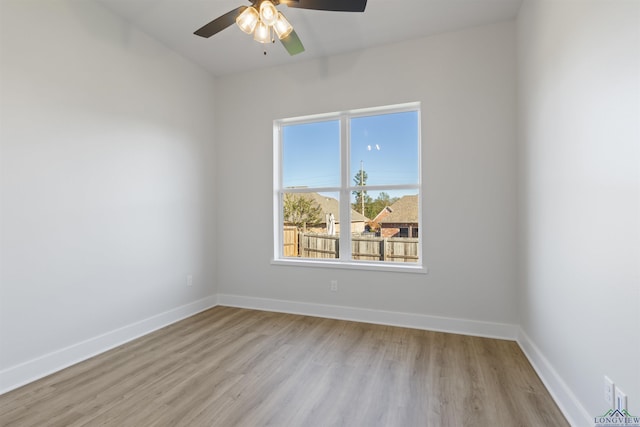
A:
[(369, 266)]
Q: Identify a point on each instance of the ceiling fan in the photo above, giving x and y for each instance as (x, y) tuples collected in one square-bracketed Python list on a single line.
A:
[(262, 19)]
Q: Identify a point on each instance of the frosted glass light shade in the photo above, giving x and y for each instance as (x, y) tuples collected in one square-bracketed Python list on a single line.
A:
[(248, 20), (262, 33), (282, 27), (268, 13)]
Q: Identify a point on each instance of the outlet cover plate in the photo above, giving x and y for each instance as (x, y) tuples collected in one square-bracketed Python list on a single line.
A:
[(621, 400), (609, 388)]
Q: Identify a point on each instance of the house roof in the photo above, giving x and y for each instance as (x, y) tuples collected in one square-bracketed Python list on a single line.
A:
[(331, 205), (382, 214), (403, 211)]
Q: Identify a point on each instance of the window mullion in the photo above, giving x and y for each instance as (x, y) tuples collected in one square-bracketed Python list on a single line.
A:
[(345, 202)]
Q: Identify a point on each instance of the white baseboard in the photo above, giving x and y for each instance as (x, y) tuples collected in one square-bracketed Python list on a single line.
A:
[(32, 370), (391, 318), (40, 367), (574, 412), (570, 406)]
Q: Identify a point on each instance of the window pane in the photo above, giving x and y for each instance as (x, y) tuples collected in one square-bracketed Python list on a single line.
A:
[(374, 166), (384, 149), (311, 155), (311, 225), (391, 231)]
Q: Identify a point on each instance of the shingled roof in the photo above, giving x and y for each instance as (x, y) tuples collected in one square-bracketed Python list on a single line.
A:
[(404, 211), (331, 205)]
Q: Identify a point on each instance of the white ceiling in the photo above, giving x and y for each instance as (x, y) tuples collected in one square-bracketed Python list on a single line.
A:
[(322, 33)]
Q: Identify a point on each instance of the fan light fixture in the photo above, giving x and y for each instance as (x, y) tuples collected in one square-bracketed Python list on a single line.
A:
[(262, 34), (282, 26), (260, 23), (248, 20), (268, 12), (263, 20)]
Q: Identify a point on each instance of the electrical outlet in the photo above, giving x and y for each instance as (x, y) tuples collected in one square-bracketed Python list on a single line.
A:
[(334, 286), (621, 400), (189, 280), (608, 392)]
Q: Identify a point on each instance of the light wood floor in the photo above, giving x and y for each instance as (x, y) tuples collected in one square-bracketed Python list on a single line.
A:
[(234, 367)]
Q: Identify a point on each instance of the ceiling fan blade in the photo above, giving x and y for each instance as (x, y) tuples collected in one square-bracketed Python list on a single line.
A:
[(293, 44), (220, 23), (332, 5)]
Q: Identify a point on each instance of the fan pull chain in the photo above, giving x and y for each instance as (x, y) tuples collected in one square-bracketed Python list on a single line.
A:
[(273, 39)]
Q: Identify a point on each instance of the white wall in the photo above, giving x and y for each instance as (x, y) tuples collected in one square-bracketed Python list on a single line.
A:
[(579, 91), (108, 175), (466, 83), (106, 183)]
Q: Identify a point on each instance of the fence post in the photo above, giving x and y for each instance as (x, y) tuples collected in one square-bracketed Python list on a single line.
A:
[(301, 245), (383, 249), (337, 248)]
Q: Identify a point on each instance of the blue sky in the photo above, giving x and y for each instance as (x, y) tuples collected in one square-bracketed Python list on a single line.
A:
[(386, 144)]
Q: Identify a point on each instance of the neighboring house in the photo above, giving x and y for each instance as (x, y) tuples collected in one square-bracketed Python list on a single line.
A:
[(383, 214), (329, 205), (400, 219)]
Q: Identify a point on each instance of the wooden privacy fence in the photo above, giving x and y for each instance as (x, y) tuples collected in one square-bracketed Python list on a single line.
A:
[(367, 248), (402, 249), (394, 249), (290, 240), (319, 245)]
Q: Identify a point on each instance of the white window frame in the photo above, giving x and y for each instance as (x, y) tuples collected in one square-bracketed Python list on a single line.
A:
[(344, 190)]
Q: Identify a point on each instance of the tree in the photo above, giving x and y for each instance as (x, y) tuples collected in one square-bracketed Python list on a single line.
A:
[(376, 206), (301, 210), (362, 199), (370, 208)]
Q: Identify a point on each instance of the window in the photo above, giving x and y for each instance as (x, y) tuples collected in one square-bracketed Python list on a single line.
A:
[(347, 188)]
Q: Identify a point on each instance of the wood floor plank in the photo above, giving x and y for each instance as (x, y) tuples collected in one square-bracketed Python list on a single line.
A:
[(235, 367)]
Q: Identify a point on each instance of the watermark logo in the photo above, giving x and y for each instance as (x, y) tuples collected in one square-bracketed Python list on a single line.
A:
[(617, 418)]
